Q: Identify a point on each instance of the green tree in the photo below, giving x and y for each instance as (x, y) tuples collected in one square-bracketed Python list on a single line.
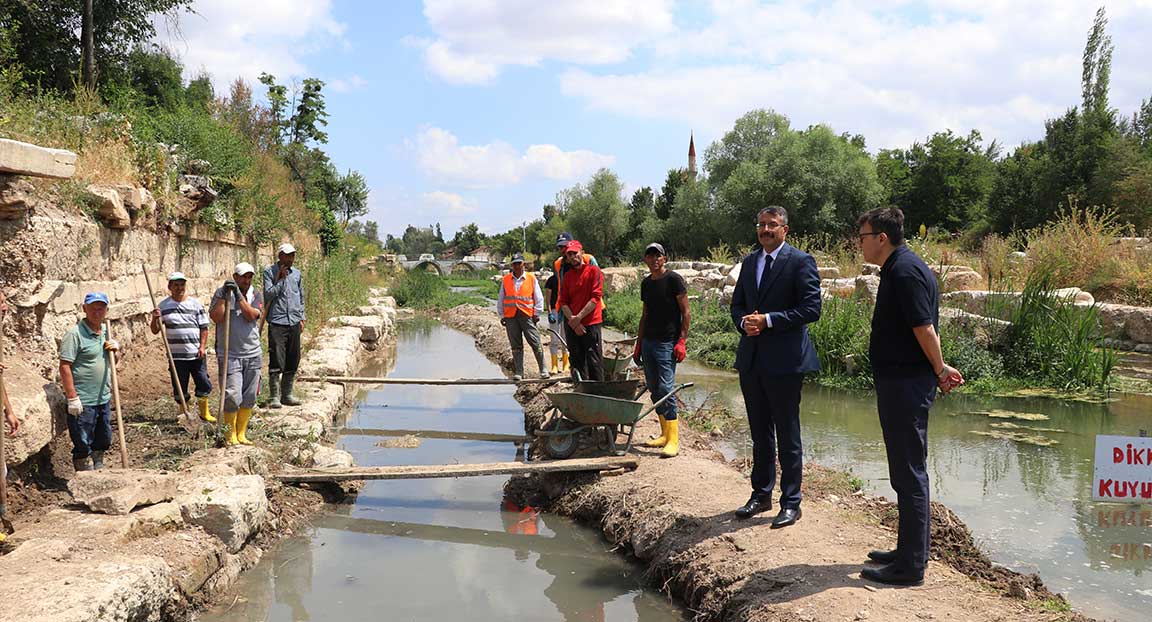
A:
[(943, 182), (330, 232), (662, 205), (49, 42), (597, 213), (156, 76), (693, 212), (641, 208), (467, 239), (199, 94), (352, 196)]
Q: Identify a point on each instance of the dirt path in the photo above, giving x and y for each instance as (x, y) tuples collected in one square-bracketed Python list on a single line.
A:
[(676, 517)]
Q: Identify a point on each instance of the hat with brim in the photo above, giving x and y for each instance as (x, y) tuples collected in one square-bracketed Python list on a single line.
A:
[(286, 249), (177, 276), (243, 268), (517, 258), (654, 247), (92, 297), (574, 245), (563, 239)]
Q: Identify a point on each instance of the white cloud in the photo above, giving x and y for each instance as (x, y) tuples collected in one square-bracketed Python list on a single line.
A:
[(475, 40), (442, 157), (352, 83), (243, 39), (448, 203), (893, 72)]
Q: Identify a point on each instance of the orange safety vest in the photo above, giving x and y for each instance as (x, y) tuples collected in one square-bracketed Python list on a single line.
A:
[(521, 300)]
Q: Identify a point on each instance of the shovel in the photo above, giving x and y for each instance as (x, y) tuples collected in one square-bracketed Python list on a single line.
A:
[(116, 399), (5, 524)]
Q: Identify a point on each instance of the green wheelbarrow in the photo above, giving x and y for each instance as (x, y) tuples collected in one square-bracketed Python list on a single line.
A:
[(616, 356), (608, 417)]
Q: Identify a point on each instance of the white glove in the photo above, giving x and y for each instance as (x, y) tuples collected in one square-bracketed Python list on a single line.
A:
[(112, 345), (74, 406)]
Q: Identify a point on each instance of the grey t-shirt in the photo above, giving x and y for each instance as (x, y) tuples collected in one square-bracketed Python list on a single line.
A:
[(243, 334)]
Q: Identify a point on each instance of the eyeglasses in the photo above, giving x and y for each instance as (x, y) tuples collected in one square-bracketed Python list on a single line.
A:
[(770, 226), (861, 236)]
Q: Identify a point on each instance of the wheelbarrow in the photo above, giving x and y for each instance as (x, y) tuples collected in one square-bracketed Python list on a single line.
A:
[(616, 359), (573, 413), (627, 389)]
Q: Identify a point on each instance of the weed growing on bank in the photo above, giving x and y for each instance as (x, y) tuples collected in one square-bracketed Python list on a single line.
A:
[(332, 286), (419, 289)]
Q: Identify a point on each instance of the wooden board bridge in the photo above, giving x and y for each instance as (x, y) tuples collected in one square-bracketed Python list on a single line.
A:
[(429, 471)]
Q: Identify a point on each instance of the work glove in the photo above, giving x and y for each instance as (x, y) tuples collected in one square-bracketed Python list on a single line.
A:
[(636, 357), (680, 351), (112, 345), (230, 287), (74, 406), (551, 317)]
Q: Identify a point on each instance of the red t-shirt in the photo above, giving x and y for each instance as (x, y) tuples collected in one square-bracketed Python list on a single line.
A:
[(580, 285)]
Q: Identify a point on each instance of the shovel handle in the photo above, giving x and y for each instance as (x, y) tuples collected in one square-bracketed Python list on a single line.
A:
[(660, 401)]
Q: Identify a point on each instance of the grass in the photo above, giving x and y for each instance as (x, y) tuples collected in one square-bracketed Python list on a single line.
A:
[(333, 285), (418, 289)]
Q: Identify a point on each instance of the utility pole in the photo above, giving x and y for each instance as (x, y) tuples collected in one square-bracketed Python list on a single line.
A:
[(88, 48), (524, 237)]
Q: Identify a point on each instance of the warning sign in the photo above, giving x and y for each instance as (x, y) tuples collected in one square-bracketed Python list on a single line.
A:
[(1123, 469)]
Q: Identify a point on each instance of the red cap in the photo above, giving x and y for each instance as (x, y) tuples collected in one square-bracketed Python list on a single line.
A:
[(574, 245)]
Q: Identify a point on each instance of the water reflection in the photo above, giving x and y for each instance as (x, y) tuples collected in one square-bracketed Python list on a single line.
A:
[(1028, 506)]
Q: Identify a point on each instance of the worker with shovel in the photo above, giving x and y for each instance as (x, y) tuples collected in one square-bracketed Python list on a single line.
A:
[(284, 289), (519, 305), (239, 355), (13, 425), (186, 330), (86, 359)]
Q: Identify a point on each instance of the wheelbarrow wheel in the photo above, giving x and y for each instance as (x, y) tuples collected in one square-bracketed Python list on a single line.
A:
[(559, 446)]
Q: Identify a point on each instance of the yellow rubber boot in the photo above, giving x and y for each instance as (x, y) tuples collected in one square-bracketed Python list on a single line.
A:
[(553, 370), (673, 446), (230, 421), (242, 418), (661, 440), (204, 414), (566, 367)]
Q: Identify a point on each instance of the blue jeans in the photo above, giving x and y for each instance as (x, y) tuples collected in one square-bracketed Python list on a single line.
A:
[(660, 373), (91, 430)]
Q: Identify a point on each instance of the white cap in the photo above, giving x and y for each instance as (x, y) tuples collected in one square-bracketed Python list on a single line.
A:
[(286, 249), (177, 276), (243, 268)]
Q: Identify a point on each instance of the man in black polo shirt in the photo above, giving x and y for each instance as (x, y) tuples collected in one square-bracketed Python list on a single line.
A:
[(907, 367)]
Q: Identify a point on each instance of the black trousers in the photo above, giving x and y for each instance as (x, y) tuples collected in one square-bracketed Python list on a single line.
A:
[(195, 370), (283, 348), (585, 352), (773, 405), (903, 404)]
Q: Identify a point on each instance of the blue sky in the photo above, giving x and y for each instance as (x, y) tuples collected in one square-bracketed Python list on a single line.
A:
[(461, 111)]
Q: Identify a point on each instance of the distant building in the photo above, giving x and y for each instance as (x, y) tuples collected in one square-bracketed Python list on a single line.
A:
[(692, 156)]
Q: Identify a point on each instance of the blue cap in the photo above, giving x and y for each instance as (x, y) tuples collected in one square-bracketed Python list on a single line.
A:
[(92, 297), (563, 239)]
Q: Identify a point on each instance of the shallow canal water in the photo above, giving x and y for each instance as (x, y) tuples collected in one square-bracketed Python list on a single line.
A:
[(1029, 507), (440, 549)]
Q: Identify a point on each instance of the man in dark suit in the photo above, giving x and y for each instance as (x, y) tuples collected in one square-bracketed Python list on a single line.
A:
[(777, 295)]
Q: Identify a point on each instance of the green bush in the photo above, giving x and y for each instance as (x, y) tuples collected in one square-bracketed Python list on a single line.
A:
[(841, 337), (332, 286), (420, 289)]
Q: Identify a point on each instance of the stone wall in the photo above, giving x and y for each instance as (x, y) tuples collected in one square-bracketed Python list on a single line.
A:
[(51, 257)]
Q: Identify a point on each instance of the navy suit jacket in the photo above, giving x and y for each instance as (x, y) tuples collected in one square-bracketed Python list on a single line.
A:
[(791, 298)]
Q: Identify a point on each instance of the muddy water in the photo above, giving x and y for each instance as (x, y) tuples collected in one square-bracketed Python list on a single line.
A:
[(440, 549), (1030, 507)]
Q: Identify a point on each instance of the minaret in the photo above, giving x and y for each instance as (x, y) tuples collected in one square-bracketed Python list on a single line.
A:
[(691, 156)]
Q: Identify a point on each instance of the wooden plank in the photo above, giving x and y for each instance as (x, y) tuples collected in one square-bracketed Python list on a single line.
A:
[(445, 434), (342, 474), (431, 381), (457, 535)]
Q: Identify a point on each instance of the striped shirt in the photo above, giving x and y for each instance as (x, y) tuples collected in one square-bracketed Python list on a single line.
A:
[(183, 322)]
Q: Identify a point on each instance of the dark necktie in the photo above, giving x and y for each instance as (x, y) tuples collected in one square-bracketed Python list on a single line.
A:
[(764, 273)]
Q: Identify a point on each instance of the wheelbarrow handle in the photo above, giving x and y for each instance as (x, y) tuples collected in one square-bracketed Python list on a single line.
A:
[(558, 336), (660, 401)]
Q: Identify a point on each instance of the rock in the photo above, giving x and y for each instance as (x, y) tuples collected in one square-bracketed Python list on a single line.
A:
[(15, 197), (198, 182), (38, 404), (118, 491), (323, 457), (1076, 295), (617, 280), (726, 294), (230, 508), (867, 286), (828, 272), (733, 275), (960, 280), (110, 207), (291, 426), (242, 460), (841, 288), (371, 326), (726, 269), (33, 160), (688, 273), (1138, 324), (869, 269), (1017, 256), (198, 167), (137, 200)]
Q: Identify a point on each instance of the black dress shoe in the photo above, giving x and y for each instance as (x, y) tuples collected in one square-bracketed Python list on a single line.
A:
[(755, 505), (884, 557), (893, 575), (787, 516)]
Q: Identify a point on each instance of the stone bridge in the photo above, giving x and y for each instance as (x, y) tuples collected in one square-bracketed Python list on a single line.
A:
[(449, 266)]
